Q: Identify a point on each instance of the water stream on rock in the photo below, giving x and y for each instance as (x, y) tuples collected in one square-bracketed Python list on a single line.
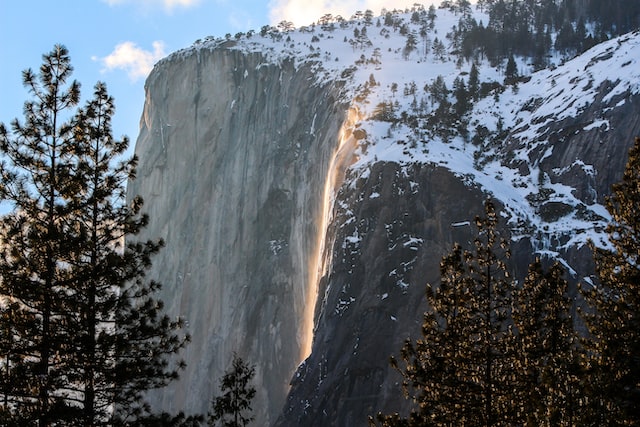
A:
[(342, 158)]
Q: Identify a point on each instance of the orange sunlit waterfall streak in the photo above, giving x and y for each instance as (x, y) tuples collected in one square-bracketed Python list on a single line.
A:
[(320, 261)]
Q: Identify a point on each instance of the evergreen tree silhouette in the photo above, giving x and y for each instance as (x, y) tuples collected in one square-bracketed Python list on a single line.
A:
[(460, 372), (231, 407), (83, 336), (614, 322), (548, 362)]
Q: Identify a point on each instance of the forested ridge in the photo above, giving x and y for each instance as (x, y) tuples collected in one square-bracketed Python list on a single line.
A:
[(496, 352), (531, 28)]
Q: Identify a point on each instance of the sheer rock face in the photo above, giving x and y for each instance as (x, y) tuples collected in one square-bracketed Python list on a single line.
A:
[(235, 152), (234, 155)]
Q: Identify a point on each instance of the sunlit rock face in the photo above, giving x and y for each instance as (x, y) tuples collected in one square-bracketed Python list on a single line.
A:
[(234, 156)]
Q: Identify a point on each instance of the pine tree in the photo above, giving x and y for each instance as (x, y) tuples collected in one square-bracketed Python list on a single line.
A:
[(439, 50), (230, 408), (36, 179), (461, 93), (474, 82), (432, 376), (566, 39), (460, 371), (511, 72), (439, 91), (494, 341), (12, 322), (614, 324), (410, 45), (548, 347), (83, 331), (126, 343)]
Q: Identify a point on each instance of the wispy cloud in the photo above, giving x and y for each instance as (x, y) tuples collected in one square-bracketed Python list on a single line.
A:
[(240, 20), (304, 12), (136, 61), (167, 5)]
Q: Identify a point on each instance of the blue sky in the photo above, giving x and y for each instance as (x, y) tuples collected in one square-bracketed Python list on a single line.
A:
[(117, 41)]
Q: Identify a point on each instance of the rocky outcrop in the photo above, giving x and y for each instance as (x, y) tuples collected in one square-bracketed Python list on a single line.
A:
[(391, 227)]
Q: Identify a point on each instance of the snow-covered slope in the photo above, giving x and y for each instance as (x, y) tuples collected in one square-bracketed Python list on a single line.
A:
[(286, 163), (377, 68)]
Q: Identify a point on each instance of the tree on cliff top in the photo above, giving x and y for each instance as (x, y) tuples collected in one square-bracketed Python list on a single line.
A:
[(614, 323), (82, 335), (230, 408)]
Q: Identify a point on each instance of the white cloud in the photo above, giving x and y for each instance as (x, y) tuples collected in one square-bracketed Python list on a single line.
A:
[(136, 61), (240, 20), (304, 12), (182, 3), (167, 5)]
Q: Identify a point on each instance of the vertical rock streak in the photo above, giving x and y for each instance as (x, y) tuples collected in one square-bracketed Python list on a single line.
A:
[(320, 262)]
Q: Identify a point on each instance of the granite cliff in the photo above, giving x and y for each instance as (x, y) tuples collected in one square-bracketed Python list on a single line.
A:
[(301, 226), (236, 202)]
